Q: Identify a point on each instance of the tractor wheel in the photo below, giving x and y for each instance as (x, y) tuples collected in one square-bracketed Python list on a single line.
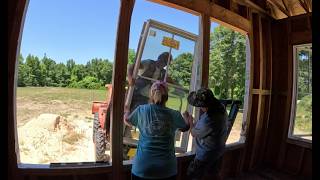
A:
[(100, 145), (96, 125)]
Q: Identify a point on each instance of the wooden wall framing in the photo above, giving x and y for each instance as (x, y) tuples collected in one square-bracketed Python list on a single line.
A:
[(270, 95), (288, 155)]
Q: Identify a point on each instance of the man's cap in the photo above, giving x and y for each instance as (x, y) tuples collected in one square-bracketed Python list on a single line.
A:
[(201, 98), (164, 56)]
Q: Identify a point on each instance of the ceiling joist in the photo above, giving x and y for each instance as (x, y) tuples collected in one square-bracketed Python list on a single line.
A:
[(303, 3), (309, 5), (276, 4), (286, 5)]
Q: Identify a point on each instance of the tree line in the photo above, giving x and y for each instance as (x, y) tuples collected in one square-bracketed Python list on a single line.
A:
[(226, 69)]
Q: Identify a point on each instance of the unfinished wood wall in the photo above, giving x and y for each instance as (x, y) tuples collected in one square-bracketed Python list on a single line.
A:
[(260, 91), (270, 103), (289, 156)]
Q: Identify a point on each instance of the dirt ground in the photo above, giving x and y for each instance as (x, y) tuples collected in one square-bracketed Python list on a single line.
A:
[(55, 128), (55, 125)]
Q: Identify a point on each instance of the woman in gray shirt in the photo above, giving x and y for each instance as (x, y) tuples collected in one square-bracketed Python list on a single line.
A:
[(209, 132)]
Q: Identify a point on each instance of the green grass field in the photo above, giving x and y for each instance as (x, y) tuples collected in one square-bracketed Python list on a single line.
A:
[(33, 101), (303, 119)]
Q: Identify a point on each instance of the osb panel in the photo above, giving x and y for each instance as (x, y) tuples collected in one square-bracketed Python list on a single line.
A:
[(231, 162), (274, 132), (306, 166), (264, 129), (292, 162), (279, 56), (267, 54), (300, 24), (251, 131)]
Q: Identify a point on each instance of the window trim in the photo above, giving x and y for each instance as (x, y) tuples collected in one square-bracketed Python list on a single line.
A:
[(291, 137)]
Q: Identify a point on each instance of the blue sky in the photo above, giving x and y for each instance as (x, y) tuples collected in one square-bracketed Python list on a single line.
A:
[(83, 29)]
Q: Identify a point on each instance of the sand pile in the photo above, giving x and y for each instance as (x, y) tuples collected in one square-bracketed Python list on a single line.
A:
[(53, 138)]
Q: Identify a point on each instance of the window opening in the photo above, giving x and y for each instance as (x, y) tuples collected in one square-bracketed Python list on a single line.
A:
[(63, 67), (229, 70)]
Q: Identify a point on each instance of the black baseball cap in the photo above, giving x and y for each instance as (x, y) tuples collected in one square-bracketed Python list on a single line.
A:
[(201, 98)]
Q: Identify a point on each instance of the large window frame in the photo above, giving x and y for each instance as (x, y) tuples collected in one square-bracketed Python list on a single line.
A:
[(291, 135), (147, 27)]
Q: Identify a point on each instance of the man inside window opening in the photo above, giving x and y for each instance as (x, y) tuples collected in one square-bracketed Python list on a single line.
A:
[(150, 69)]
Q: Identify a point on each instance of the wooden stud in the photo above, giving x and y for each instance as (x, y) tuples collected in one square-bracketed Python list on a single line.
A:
[(309, 5), (246, 151), (286, 5), (257, 132), (304, 6), (285, 123), (205, 41), (118, 82)]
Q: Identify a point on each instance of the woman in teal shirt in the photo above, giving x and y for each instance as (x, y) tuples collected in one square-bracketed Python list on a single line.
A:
[(155, 157)]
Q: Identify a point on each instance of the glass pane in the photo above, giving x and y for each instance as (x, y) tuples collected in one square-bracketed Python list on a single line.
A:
[(178, 76), (303, 116)]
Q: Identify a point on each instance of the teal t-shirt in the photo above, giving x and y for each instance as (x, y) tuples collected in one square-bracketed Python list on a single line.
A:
[(155, 157)]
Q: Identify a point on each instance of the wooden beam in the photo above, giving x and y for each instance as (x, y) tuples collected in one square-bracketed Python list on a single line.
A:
[(118, 82), (205, 44), (218, 13), (286, 5), (252, 5), (304, 5), (309, 5), (275, 3)]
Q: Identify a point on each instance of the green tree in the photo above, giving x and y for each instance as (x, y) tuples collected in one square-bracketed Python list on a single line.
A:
[(304, 73), (89, 82), (22, 71), (62, 76), (180, 69), (131, 56), (100, 69), (33, 71), (227, 63), (48, 70)]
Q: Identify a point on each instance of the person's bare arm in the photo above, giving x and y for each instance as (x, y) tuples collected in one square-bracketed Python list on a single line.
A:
[(126, 120), (186, 118)]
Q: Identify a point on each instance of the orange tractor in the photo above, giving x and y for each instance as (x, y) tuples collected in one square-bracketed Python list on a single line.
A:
[(101, 125)]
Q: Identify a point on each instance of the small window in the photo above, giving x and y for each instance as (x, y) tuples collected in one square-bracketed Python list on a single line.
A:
[(301, 111)]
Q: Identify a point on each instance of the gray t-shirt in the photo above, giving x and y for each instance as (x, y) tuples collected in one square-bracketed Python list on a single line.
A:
[(210, 134)]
